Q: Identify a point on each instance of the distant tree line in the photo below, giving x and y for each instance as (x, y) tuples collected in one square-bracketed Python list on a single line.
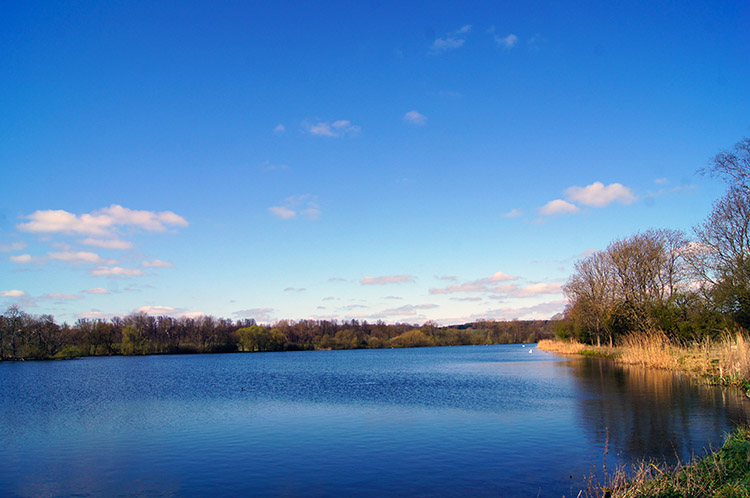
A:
[(690, 287), (26, 336)]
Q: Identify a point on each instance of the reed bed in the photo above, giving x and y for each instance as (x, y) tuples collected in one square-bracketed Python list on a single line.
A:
[(563, 347), (725, 360)]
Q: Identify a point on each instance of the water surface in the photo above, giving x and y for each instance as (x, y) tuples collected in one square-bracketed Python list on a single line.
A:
[(471, 421)]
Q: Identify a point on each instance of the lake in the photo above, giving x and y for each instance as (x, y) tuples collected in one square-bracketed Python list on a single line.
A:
[(452, 421)]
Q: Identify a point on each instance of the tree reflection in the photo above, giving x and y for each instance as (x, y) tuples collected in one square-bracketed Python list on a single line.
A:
[(651, 413)]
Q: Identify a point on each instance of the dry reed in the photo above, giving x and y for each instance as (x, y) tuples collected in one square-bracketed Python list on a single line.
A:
[(564, 347), (649, 349)]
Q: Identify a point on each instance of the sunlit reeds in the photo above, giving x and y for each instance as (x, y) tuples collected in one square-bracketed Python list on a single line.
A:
[(563, 347)]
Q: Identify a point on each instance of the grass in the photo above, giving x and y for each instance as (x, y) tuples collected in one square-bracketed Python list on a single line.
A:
[(724, 473), (574, 347)]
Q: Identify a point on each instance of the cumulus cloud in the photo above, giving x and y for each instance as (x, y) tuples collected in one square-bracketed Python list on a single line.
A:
[(79, 257), (513, 213), (103, 222), (558, 206), (338, 128), (96, 290), (599, 195), (305, 206), (157, 263), (450, 41), (279, 129), (507, 42), (490, 284), (21, 259), (388, 279), (415, 117), (115, 271), (107, 243), (12, 293), (158, 310), (536, 289), (259, 314), (12, 246)]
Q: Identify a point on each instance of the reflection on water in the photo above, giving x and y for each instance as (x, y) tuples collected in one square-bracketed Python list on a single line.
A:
[(459, 421), (650, 413)]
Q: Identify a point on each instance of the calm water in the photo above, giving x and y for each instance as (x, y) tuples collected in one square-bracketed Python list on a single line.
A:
[(470, 421)]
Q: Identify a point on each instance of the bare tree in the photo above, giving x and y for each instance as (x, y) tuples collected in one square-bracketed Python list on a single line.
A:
[(723, 257), (733, 166)]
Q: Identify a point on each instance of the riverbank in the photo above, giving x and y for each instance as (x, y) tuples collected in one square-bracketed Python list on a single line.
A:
[(725, 472), (721, 362)]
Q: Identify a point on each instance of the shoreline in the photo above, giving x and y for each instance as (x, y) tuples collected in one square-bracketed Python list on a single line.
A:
[(721, 472)]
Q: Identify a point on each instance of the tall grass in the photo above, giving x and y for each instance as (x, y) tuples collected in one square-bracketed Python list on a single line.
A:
[(725, 473), (651, 349)]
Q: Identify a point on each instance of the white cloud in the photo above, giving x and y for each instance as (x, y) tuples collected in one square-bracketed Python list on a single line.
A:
[(115, 271), (108, 243), (303, 205), (12, 293), (452, 40), (12, 246), (415, 117), (336, 129), (260, 314), (295, 289), (558, 206), (193, 314), (97, 290), (103, 222), (489, 285), (513, 213), (21, 259), (599, 195), (282, 212), (661, 181), (279, 129), (387, 279), (540, 311), (79, 257), (539, 288), (507, 42), (157, 310), (157, 263)]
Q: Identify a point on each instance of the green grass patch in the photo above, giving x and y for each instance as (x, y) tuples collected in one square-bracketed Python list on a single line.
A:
[(724, 473)]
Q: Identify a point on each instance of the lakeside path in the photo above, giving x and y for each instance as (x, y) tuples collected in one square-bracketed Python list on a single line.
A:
[(721, 473)]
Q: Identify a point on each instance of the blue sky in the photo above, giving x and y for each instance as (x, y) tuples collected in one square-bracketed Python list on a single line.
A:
[(401, 161)]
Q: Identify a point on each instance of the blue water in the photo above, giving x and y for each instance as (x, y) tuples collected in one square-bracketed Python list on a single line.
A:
[(459, 421)]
